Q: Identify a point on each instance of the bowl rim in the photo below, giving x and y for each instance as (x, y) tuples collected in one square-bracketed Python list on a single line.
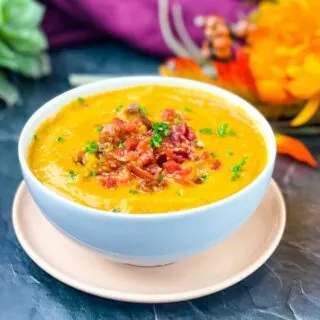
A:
[(130, 81)]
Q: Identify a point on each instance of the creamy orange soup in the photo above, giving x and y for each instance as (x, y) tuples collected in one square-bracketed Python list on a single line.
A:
[(147, 149)]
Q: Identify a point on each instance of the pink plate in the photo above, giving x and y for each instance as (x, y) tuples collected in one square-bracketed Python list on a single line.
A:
[(200, 275)]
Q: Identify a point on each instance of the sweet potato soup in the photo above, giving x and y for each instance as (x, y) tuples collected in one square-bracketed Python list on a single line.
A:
[(147, 149)]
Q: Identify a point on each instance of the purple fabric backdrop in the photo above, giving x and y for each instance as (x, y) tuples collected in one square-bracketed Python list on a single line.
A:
[(134, 21)]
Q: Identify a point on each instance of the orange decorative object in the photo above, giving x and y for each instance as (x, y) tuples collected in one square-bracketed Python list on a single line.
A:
[(272, 59), (295, 149)]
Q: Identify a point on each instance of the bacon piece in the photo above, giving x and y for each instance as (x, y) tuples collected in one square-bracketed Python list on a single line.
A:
[(161, 159), (146, 158), (80, 158), (169, 115), (190, 134), (133, 108), (181, 156), (185, 171), (171, 166), (124, 156), (141, 173), (131, 127), (216, 165), (183, 181), (108, 182), (149, 186), (205, 155), (131, 143), (146, 121), (124, 176)]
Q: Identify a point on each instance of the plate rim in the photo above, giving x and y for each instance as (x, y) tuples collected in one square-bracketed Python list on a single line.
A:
[(147, 298)]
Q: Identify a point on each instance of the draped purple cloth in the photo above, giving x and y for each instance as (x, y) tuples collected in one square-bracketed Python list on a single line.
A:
[(133, 21)]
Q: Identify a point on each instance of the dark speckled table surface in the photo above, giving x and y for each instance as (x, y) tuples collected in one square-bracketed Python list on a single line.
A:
[(286, 287)]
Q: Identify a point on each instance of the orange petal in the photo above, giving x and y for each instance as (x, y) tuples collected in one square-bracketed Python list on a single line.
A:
[(306, 113), (295, 149)]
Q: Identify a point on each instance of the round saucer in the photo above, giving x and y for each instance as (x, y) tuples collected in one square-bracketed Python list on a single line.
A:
[(209, 272)]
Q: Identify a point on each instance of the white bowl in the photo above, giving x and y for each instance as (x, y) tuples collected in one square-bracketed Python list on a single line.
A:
[(147, 239)]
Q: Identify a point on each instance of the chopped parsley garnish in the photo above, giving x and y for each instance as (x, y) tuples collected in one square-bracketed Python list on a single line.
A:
[(133, 191), (206, 131), (72, 175), (92, 147), (223, 131), (121, 144), (143, 110), (160, 130), (180, 192), (155, 141), (81, 101), (204, 177), (161, 176), (187, 109), (213, 155), (99, 128), (92, 173), (116, 210), (59, 139), (237, 168), (119, 108), (34, 137), (229, 153)]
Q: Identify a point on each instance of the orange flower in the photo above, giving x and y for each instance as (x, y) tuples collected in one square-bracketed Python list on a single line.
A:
[(285, 50)]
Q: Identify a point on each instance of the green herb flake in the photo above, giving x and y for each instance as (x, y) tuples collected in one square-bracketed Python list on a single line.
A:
[(223, 131), (72, 175), (121, 144), (229, 153), (213, 155), (92, 173), (59, 139), (119, 107), (34, 137), (180, 192), (186, 109), (116, 210), (99, 128), (144, 111), (206, 131), (160, 130), (161, 176), (92, 147), (237, 168), (133, 191), (156, 141), (204, 177), (81, 101)]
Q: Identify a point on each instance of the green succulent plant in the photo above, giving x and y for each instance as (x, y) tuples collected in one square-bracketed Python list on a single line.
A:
[(22, 44)]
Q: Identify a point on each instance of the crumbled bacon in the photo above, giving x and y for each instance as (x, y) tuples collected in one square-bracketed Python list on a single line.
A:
[(205, 155), (169, 115), (216, 165), (108, 182), (126, 152), (133, 108), (171, 166), (141, 173)]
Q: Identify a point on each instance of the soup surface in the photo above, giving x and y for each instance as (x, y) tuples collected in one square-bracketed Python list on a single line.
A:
[(147, 149)]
